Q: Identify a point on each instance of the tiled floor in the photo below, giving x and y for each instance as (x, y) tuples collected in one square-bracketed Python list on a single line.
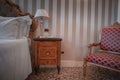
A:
[(75, 73)]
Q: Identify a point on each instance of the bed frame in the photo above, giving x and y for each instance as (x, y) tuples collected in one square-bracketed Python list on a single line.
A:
[(9, 9)]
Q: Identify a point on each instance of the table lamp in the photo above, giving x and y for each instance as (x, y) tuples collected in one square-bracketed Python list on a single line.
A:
[(42, 15)]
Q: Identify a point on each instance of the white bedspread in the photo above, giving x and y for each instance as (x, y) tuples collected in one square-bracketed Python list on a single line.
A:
[(15, 62)]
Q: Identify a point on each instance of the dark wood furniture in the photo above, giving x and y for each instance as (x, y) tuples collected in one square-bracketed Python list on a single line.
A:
[(47, 52)]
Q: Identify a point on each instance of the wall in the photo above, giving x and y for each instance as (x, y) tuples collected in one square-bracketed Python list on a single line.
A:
[(118, 19), (78, 22)]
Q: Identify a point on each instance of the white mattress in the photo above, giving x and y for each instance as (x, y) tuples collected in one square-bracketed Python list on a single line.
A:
[(15, 62)]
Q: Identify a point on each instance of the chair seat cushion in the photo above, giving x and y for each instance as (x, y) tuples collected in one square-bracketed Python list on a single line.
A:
[(105, 59)]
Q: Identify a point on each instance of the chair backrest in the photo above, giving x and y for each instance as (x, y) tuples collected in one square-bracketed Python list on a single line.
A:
[(110, 39)]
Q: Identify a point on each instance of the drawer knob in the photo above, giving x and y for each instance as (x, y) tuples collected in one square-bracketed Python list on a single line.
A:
[(47, 53)]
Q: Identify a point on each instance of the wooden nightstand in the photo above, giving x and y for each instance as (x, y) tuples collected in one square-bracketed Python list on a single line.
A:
[(47, 52)]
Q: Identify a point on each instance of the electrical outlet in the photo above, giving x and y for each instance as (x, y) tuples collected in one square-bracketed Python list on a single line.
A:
[(62, 52)]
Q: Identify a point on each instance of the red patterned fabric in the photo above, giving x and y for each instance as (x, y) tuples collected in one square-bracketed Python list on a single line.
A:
[(105, 59), (110, 39)]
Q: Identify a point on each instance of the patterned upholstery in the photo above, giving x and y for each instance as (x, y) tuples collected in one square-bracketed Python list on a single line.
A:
[(110, 39), (105, 59)]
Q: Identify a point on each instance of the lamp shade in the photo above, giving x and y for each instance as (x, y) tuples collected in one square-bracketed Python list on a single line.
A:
[(41, 13)]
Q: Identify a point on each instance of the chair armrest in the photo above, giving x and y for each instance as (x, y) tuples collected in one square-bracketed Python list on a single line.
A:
[(92, 45)]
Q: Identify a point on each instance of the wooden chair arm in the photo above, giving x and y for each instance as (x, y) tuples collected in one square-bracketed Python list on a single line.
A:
[(92, 45)]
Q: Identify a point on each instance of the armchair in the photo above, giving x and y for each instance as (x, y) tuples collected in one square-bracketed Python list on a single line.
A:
[(109, 54)]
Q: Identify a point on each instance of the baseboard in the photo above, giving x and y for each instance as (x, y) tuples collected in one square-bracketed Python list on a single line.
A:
[(71, 63), (67, 63)]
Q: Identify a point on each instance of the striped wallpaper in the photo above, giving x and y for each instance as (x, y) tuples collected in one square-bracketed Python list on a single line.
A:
[(77, 22), (118, 17)]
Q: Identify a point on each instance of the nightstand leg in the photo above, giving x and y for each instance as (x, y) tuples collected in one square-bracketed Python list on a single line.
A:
[(36, 69), (58, 68)]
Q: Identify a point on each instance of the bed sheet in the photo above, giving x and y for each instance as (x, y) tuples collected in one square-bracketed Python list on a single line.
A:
[(15, 62)]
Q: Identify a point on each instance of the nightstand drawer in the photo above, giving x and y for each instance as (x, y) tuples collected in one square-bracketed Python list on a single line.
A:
[(47, 43), (47, 61), (47, 52)]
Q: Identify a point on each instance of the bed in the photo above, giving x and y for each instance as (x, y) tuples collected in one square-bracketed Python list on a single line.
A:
[(15, 62), (16, 33)]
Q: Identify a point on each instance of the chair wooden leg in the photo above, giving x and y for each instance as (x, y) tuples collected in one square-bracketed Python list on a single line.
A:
[(84, 69)]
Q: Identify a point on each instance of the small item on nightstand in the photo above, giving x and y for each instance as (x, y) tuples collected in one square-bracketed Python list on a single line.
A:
[(46, 32)]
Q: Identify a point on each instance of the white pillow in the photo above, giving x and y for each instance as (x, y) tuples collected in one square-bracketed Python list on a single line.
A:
[(8, 30), (14, 27), (24, 26)]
